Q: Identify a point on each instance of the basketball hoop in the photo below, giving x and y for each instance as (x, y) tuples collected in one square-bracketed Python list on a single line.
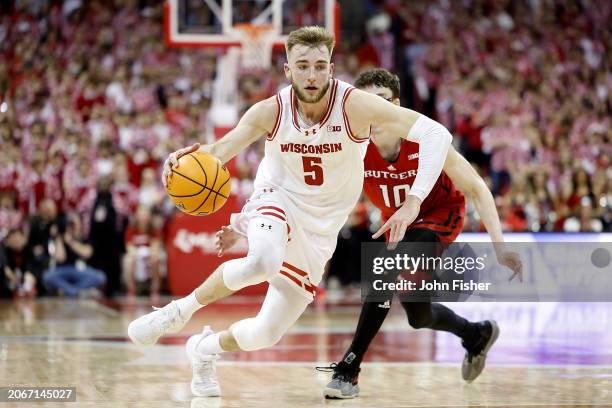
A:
[(256, 42)]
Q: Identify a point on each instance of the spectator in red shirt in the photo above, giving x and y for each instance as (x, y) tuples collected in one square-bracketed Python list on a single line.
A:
[(8, 168), (35, 184), (141, 261), (92, 95)]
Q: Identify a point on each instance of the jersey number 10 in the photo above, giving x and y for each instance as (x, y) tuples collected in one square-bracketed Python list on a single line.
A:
[(398, 200), (313, 171)]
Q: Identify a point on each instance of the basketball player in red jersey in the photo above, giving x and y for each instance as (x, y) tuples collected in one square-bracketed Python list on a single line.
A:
[(390, 166)]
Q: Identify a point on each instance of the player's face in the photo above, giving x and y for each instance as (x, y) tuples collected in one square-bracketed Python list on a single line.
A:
[(383, 92), (309, 69)]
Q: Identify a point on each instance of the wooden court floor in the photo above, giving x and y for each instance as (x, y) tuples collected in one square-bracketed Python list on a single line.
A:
[(548, 354)]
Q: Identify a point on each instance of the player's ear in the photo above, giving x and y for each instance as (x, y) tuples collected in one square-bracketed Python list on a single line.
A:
[(331, 69), (396, 101), (287, 71)]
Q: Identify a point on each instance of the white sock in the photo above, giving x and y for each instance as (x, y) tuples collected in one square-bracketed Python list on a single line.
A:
[(210, 345), (188, 305)]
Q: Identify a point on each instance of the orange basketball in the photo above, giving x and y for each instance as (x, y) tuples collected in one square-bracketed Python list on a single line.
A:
[(200, 185)]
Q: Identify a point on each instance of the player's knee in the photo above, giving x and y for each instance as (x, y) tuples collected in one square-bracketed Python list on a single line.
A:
[(254, 334), (266, 265), (271, 334), (251, 270)]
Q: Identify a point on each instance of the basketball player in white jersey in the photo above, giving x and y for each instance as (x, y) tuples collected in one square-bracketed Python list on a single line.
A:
[(311, 177)]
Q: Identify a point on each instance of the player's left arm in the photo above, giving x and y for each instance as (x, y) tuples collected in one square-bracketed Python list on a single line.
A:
[(469, 182), (365, 110), (256, 122)]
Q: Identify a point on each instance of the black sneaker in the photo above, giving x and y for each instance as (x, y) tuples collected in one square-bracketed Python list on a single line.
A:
[(344, 381), (476, 353)]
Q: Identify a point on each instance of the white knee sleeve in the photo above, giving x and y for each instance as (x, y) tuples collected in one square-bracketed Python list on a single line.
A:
[(267, 243), (280, 310), (254, 334)]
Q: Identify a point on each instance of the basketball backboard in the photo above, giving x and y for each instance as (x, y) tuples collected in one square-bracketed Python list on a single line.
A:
[(249, 29), (212, 23)]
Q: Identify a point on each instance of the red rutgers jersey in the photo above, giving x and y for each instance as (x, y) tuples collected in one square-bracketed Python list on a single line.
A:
[(387, 184)]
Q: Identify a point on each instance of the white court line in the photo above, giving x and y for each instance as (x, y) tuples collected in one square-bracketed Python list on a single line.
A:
[(376, 364), (99, 338), (180, 349)]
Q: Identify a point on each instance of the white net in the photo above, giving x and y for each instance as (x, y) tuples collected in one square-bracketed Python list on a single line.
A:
[(257, 41)]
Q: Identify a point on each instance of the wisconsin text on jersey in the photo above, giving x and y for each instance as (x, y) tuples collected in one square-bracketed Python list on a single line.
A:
[(311, 149)]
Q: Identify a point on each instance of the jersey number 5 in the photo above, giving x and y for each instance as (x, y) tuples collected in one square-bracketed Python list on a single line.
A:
[(397, 199), (313, 170)]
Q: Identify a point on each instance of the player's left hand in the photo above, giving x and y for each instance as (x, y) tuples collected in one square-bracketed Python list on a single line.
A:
[(225, 238), (172, 163), (512, 261), (400, 221)]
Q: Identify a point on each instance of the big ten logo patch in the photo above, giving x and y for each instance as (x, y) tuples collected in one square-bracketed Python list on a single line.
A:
[(334, 128)]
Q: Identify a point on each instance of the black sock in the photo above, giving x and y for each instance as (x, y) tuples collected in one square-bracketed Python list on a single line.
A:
[(372, 316), (472, 335)]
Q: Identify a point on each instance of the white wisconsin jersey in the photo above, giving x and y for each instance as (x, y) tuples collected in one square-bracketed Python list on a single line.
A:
[(320, 169)]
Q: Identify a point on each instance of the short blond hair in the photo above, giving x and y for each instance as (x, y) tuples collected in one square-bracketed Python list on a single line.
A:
[(311, 36)]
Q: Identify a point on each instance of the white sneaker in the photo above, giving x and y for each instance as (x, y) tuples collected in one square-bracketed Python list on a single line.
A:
[(147, 329), (204, 382)]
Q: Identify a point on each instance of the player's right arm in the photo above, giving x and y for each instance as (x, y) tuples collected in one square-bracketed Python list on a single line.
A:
[(258, 121), (364, 110), (469, 182)]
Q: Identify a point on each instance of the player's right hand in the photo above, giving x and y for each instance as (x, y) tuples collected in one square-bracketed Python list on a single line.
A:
[(399, 222), (225, 238), (510, 259), (171, 162), (513, 261)]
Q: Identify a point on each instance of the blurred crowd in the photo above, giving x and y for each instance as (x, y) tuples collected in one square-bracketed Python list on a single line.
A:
[(92, 102), (524, 86)]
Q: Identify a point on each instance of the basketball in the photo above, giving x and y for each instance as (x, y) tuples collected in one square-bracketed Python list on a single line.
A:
[(200, 185)]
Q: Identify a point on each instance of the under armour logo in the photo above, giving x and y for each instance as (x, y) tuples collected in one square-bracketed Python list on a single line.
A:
[(310, 132), (391, 168), (266, 225)]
